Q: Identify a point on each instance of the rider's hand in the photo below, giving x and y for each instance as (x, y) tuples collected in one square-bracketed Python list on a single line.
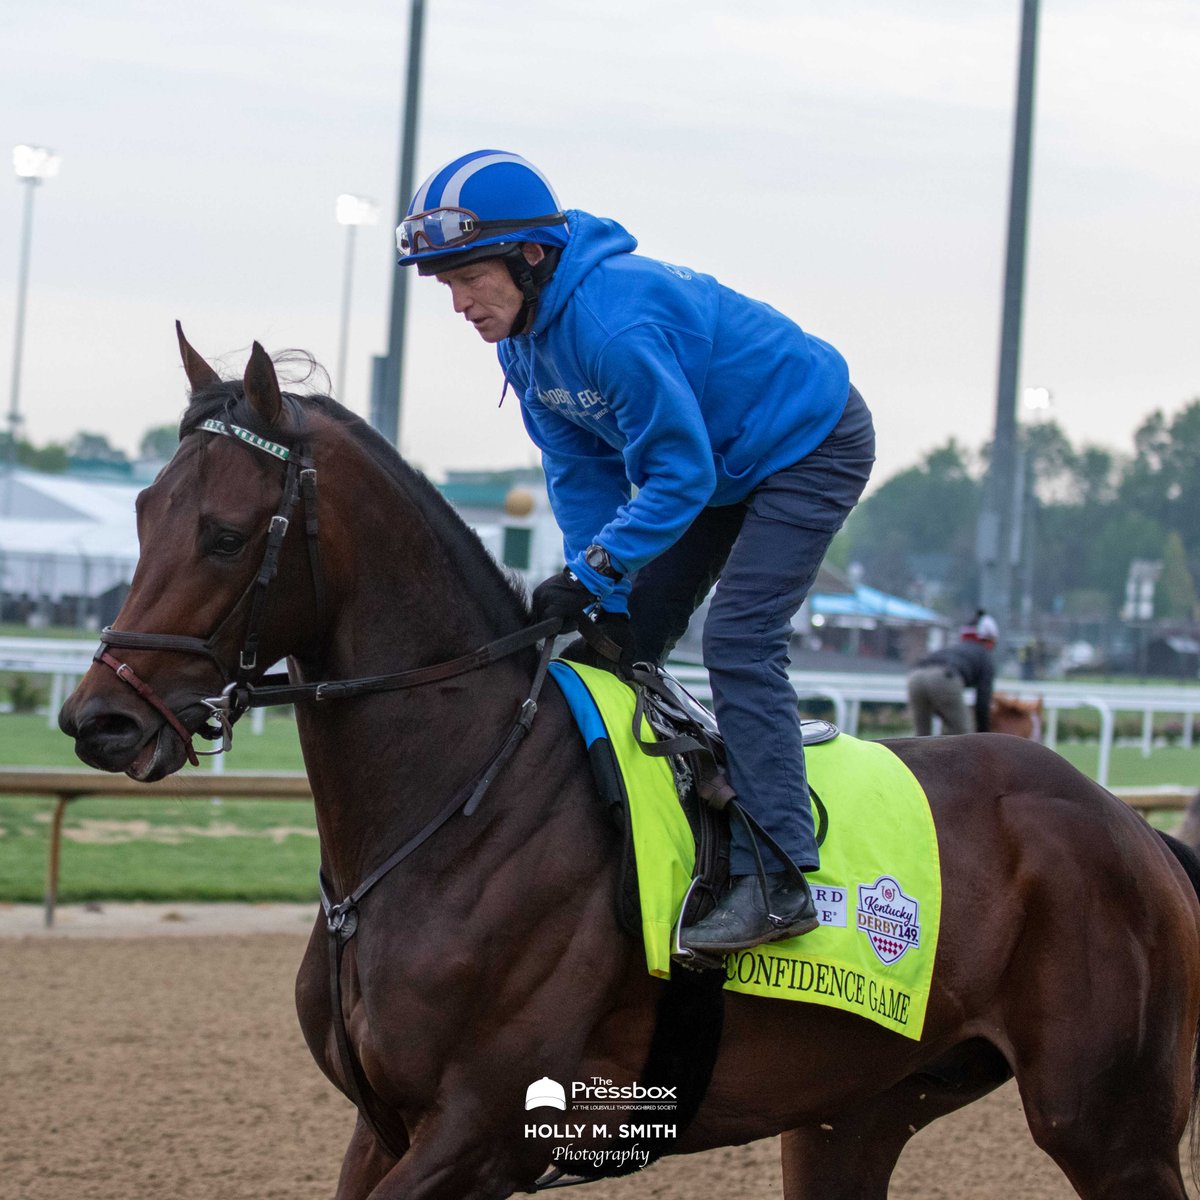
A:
[(607, 642), (561, 595)]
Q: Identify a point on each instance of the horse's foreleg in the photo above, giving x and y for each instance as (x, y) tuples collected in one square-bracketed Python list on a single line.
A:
[(436, 1167), (364, 1165)]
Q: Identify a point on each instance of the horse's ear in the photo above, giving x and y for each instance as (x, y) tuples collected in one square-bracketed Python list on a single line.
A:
[(262, 385), (200, 374)]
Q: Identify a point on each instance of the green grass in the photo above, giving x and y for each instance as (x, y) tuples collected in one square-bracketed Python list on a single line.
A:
[(159, 848), (10, 629), (27, 740), (162, 849), (1129, 769), (183, 849)]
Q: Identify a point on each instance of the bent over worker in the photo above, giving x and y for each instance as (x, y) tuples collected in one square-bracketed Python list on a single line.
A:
[(740, 432), (937, 683)]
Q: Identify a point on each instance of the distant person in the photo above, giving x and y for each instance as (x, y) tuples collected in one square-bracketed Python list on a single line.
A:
[(688, 434), (937, 684)]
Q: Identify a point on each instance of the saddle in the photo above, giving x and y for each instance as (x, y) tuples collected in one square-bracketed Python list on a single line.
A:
[(686, 734)]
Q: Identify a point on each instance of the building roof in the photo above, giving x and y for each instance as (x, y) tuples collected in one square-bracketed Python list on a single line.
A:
[(62, 535), (36, 496), (866, 601)]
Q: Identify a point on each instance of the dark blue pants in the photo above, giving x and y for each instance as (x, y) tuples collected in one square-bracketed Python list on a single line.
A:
[(763, 554)]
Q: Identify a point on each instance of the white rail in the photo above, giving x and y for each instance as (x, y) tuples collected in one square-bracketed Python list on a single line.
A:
[(847, 692), (66, 660)]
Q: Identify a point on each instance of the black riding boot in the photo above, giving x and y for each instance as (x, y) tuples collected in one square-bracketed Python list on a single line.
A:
[(739, 921)]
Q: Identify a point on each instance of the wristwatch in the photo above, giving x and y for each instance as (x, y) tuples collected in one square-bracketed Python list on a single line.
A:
[(597, 558)]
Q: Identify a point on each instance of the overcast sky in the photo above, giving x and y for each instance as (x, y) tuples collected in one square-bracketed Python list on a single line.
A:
[(845, 160)]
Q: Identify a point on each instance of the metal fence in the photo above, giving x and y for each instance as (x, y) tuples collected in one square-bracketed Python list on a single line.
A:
[(64, 661)]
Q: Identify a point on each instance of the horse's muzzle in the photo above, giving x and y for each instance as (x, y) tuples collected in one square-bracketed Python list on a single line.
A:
[(112, 739)]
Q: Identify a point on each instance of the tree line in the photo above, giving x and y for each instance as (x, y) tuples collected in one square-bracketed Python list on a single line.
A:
[(1086, 514), (93, 448)]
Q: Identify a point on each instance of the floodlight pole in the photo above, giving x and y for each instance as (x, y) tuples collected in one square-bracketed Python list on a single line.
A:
[(344, 325), (387, 404), (352, 211), (14, 394), (996, 550), (32, 164)]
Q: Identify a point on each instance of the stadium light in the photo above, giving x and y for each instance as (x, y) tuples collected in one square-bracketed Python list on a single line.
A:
[(32, 164)]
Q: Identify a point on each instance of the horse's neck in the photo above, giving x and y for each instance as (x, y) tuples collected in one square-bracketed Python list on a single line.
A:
[(382, 766)]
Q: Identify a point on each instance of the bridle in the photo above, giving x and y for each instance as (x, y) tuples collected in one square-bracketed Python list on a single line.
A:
[(300, 481), (241, 694)]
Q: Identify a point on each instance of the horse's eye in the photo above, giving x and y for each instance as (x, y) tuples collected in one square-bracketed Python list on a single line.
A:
[(226, 545)]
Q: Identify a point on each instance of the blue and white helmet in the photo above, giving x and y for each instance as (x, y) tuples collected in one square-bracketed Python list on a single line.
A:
[(479, 205)]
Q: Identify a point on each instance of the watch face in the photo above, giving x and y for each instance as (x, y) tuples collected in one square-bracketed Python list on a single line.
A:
[(597, 558)]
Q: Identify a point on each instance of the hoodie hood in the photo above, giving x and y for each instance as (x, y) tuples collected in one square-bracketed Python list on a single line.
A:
[(591, 241)]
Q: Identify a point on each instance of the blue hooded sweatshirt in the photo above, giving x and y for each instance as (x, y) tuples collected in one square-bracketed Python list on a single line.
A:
[(639, 372)]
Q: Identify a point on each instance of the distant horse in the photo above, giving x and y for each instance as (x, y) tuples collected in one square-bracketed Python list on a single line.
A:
[(490, 954), (1021, 718)]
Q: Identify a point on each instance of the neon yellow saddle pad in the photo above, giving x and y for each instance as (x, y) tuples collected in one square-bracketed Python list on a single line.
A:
[(878, 891)]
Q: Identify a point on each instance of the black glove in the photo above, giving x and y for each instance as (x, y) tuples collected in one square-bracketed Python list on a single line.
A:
[(561, 595), (606, 642)]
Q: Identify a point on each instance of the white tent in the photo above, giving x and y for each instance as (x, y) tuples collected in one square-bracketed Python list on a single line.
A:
[(63, 536)]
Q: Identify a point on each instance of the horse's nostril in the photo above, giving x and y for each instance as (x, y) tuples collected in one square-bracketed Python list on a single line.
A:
[(110, 729)]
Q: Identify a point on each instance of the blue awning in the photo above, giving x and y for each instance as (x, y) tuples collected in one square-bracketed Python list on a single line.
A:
[(870, 602)]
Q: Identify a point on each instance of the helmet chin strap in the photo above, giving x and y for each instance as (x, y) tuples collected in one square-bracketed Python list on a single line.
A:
[(529, 278)]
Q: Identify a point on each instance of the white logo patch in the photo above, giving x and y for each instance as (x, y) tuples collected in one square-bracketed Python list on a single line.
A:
[(889, 918), (830, 900)]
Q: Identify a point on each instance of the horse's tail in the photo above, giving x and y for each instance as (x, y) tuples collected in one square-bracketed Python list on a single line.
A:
[(1189, 860)]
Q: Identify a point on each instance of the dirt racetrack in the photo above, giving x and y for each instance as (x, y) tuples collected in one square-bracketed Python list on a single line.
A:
[(172, 1068)]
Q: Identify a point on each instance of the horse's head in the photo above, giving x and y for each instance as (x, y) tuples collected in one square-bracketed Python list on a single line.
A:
[(213, 559)]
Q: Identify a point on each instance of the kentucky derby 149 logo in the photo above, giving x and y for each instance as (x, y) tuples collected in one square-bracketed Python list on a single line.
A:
[(889, 918)]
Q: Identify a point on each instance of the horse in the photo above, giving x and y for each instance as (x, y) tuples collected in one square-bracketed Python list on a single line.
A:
[(1021, 718), (487, 953)]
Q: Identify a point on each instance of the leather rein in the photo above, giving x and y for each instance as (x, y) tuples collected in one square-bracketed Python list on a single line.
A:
[(241, 695)]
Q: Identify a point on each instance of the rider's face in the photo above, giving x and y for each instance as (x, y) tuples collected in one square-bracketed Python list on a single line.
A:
[(485, 294)]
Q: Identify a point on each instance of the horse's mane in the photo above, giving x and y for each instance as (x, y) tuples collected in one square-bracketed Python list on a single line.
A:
[(497, 590)]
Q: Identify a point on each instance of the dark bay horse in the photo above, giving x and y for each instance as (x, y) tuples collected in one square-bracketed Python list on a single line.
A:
[(1069, 953)]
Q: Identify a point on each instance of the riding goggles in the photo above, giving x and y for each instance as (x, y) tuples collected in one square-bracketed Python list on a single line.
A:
[(445, 228)]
